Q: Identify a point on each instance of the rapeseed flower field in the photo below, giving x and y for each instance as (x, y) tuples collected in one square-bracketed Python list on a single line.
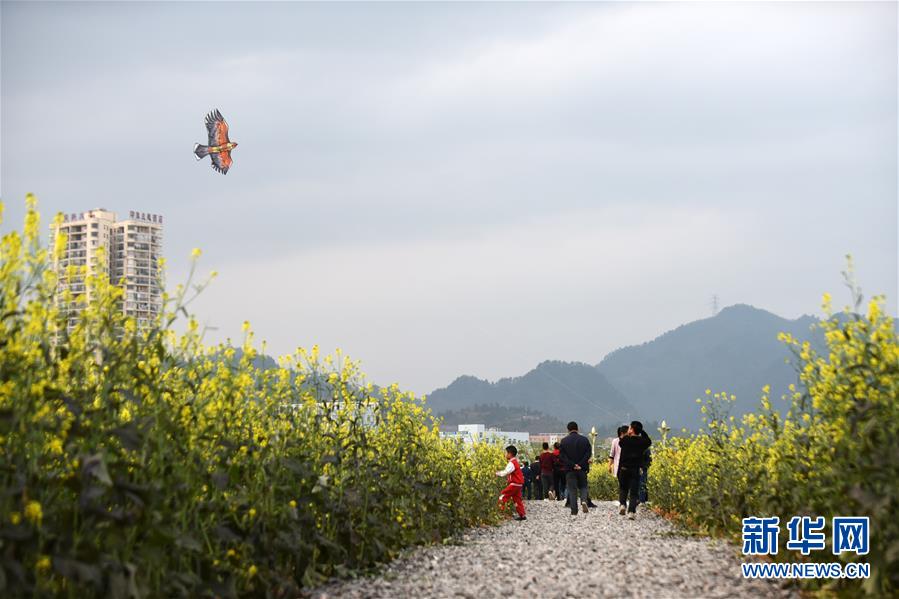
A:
[(140, 462), (831, 450)]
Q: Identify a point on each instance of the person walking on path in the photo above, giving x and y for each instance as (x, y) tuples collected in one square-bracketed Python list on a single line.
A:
[(633, 445), (590, 503), (573, 499), (558, 473), (546, 470), (644, 476), (515, 478), (575, 451), (535, 477), (528, 479), (615, 454)]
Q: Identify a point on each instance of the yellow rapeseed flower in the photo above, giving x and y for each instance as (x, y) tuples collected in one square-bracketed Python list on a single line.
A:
[(42, 564), (54, 446), (15, 518), (33, 512)]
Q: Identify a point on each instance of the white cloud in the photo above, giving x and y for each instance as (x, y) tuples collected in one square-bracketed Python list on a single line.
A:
[(443, 189), (492, 304)]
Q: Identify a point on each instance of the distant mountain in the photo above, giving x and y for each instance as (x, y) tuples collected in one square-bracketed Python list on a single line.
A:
[(504, 418), (735, 351), (565, 390), (260, 361)]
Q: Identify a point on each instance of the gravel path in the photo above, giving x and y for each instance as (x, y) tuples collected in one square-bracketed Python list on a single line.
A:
[(532, 559)]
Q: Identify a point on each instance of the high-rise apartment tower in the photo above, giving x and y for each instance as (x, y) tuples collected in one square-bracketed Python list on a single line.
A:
[(127, 251)]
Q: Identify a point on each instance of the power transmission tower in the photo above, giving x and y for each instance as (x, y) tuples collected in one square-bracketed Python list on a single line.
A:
[(714, 304)]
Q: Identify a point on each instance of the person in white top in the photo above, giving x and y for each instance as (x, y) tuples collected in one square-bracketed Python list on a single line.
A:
[(615, 455)]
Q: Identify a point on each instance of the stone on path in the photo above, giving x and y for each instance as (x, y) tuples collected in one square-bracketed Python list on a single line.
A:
[(554, 554)]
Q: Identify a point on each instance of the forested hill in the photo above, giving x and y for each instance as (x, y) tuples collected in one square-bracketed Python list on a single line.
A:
[(736, 351), (564, 390), (504, 418)]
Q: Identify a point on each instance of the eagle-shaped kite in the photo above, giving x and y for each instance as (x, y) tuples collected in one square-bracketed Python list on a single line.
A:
[(219, 148)]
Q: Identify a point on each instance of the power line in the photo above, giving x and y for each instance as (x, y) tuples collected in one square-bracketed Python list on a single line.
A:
[(614, 415)]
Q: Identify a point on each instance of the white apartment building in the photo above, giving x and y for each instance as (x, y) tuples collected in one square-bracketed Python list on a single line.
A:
[(128, 251)]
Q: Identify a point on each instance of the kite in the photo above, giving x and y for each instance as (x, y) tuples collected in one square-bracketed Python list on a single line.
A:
[(219, 148)]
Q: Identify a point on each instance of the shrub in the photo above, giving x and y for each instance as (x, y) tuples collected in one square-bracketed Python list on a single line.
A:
[(833, 452), (139, 462), (603, 486)]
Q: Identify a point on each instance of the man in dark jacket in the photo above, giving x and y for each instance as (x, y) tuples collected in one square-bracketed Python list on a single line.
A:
[(644, 476), (633, 447), (575, 452), (528, 479), (535, 477)]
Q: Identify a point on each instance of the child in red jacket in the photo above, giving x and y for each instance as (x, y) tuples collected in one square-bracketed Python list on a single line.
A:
[(516, 480)]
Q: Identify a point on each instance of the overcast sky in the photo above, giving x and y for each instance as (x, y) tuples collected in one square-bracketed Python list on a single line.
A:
[(446, 189)]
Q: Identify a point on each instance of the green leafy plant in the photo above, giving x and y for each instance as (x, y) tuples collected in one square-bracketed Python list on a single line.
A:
[(138, 462), (831, 452)]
